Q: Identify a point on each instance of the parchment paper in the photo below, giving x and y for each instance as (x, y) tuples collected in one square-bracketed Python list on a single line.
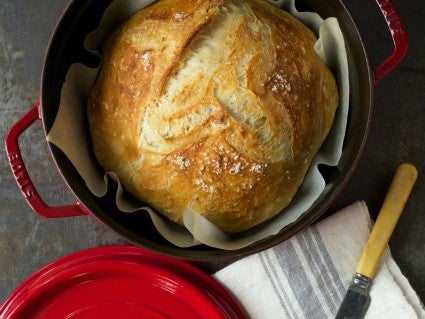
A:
[(69, 134)]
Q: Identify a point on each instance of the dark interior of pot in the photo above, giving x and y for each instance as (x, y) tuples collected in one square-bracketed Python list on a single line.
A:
[(66, 48)]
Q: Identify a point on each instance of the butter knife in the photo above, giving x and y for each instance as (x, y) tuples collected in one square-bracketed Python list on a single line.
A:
[(357, 299)]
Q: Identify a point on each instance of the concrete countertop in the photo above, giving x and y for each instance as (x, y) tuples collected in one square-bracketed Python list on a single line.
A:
[(28, 242)]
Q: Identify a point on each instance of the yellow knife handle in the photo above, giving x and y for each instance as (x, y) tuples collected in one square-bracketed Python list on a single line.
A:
[(398, 193)]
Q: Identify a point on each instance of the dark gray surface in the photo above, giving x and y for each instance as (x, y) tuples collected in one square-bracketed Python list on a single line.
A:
[(397, 134)]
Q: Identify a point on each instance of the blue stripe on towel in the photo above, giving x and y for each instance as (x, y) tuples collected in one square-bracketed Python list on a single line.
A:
[(337, 284), (277, 285), (291, 265), (296, 262), (314, 253)]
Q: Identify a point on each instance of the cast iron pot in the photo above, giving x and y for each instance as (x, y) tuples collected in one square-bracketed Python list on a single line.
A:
[(66, 48)]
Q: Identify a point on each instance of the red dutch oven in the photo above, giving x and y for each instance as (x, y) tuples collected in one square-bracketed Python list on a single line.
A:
[(66, 47)]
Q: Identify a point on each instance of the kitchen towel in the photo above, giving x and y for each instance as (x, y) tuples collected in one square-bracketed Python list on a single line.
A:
[(307, 275)]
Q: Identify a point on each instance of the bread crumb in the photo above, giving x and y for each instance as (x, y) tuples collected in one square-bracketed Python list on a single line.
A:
[(247, 186), (236, 169), (146, 60), (258, 168), (181, 161), (280, 83), (181, 15), (204, 186)]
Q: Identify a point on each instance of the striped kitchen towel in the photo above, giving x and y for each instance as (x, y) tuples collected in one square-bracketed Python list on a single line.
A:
[(307, 275)]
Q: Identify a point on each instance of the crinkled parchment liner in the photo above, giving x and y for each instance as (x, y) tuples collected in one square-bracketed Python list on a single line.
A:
[(69, 135)]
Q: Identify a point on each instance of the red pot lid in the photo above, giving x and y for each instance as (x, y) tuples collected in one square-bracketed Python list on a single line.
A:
[(120, 282)]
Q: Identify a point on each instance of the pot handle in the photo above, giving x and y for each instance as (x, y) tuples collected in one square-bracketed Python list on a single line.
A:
[(399, 39), (21, 176)]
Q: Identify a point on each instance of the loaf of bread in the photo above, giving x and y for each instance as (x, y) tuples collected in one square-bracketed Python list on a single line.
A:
[(214, 105)]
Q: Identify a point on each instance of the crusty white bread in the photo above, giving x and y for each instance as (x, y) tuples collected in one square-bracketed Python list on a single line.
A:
[(215, 105)]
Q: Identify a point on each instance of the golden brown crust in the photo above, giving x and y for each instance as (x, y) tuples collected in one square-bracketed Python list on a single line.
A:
[(215, 105)]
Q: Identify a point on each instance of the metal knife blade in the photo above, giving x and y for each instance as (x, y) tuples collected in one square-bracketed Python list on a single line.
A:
[(357, 300)]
